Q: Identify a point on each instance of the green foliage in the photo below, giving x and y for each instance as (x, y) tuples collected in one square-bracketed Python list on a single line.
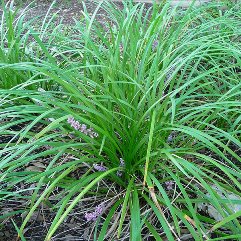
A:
[(161, 87), (13, 47)]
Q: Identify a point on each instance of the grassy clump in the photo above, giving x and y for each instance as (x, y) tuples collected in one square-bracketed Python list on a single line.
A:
[(151, 99)]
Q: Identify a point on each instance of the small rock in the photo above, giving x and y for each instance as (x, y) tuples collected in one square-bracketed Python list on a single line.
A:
[(212, 211)]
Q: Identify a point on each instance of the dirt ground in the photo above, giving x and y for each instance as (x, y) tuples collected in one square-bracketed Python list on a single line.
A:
[(68, 10)]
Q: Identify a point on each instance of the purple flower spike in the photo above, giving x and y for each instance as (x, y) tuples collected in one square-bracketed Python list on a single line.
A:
[(169, 185), (90, 217), (99, 209), (154, 45), (122, 162), (119, 173), (75, 124), (70, 120), (99, 168), (121, 47), (91, 133), (170, 138), (82, 128), (95, 134), (94, 215)]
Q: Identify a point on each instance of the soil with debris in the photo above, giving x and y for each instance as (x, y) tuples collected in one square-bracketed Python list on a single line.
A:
[(67, 10)]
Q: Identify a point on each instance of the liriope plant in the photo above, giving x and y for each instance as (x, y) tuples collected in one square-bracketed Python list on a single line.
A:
[(18, 43), (148, 102)]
